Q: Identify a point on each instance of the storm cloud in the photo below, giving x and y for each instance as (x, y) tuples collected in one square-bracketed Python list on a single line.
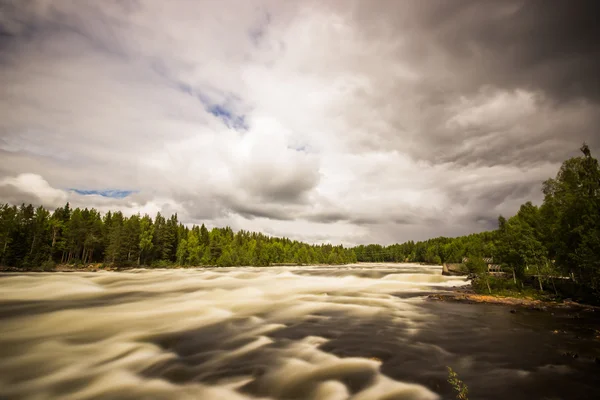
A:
[(348, 122)]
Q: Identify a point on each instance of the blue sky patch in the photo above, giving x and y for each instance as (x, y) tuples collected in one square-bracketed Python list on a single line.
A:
[(230, 119), (219, 110), (302, 148), (112, 193)]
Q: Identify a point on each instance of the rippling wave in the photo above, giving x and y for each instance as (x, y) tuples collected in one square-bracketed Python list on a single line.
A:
[(231, 333)]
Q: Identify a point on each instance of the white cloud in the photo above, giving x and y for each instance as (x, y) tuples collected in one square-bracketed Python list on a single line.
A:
[(30, 188), (495, 109)]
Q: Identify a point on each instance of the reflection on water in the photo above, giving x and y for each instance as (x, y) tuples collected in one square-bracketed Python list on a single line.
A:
[(359, 331)]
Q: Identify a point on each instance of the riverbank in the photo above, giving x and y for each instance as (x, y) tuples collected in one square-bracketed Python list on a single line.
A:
[(116, 268), (471, 297), (69, 268)]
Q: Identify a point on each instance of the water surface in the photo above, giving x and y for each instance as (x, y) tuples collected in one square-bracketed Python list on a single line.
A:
[(352, 332)]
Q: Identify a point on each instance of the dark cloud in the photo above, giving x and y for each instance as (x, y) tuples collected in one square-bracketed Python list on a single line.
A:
[(409, 220), (366, 220), (550, 45), (328, 216), (285, 184), (505, 191), (251, 210), (475, 52), (388, 216), (23, 24), (374, 217)]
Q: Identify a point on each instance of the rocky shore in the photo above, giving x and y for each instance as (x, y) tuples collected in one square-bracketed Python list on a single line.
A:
[(67, 268), (469, 296)]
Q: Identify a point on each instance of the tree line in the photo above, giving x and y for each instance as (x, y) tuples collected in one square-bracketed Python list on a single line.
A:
[(33, 237), (432, 251)]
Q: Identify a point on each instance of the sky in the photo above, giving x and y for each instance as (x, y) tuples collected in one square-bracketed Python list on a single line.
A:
[(346, 122)]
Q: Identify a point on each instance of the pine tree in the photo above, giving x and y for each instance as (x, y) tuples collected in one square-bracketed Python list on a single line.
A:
[(114, 249), (145, 238)]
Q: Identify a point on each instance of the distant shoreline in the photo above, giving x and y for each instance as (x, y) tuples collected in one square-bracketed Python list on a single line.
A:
[(93, 268), (102, 267)]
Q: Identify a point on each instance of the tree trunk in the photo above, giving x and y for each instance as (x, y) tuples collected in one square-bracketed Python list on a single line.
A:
[(32, 244), (514, 276), (487, 282), (554, 286), (54, 232), (3, 258)]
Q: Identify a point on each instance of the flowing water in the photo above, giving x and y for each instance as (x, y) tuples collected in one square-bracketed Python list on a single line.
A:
[(349, 332)]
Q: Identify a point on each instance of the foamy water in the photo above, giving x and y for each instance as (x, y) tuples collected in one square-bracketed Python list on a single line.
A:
[(230, 333)]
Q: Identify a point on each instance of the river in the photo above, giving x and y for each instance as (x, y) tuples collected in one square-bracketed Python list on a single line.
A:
[(363, 331)]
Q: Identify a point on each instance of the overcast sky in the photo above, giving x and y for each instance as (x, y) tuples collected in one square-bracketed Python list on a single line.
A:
[(341, 121)]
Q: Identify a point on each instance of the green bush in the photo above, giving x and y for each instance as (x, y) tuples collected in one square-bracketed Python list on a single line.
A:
[(162, 264), (505, 286), (476, 265), (458, 385), (47, 265), (502, 283)]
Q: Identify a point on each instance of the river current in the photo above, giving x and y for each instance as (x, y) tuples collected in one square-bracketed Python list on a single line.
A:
[(358, 332)]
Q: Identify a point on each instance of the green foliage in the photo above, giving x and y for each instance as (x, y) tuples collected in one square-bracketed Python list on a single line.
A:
[(47, 265), (476, 265), (572, 210), (433, 251), (541, 245), (161, 264), (506, 287), (518, 246), (497, 283), (146, 237), (458, 385), (562, 236), (546, 273)]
